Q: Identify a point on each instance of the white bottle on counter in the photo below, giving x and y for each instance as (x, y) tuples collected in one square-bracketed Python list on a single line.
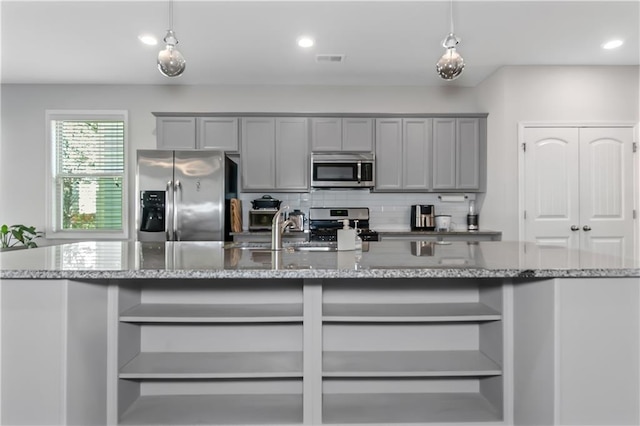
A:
[(358, 241), (346, 237)]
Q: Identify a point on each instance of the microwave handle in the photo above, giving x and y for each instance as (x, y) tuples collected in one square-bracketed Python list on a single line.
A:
[(359, 171)]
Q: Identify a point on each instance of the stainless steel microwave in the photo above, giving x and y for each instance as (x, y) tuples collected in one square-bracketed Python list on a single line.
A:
[(343, 170)]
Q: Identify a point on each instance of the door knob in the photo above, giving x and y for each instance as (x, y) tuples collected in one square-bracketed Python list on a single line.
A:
[(586, 228), (575, 228)]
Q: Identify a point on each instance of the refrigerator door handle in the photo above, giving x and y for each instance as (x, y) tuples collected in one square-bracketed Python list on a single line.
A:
[(177, 198), (168, 222)]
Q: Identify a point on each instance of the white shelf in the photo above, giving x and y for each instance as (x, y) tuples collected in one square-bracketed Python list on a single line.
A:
[(394, 408), (214, 409), (205, 365), (408, 312), (408, 364), (213, 313)]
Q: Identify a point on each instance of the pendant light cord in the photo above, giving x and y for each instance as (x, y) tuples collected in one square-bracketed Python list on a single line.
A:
[(451, 15), (171, 14)]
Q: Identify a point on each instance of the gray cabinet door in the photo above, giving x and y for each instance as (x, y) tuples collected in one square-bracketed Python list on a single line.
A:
[(326, 134), (357, 134), (176, 132), (292, 154), (258, 154), (389, 154), (468, 153), (444, 153), (416, 164), (217, 133)]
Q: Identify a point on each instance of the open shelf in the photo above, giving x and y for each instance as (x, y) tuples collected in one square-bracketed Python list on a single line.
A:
[(408, 364), (408, 312), (197, 365), (394, 408), (213, 313), (214, 409)]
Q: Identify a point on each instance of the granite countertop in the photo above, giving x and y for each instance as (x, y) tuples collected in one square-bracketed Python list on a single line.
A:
[(437, 233), (385, 259)]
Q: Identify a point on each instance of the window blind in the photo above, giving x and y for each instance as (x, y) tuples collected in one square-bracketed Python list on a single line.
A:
[(89, 173)]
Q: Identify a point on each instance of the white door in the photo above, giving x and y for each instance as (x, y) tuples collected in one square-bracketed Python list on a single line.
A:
[(578, 191), (552, 201), (606, 191)]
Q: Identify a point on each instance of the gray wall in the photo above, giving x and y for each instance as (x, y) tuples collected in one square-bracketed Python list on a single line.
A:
[(544, 94), (510, 95)]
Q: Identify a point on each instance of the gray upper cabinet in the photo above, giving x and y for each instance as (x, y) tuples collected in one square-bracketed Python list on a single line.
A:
[(444, 153), (469, 159), (342, 134), (215, 133), (175, 132), (357, 134), (292, 154), (258, 155), (420, 153), (389, 154), (403, 151), (275, 154), (458, 154)]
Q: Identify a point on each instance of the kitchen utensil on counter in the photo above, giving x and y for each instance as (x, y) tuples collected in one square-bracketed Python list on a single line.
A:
[(297, 219), (422, 217), (266, 202), (472, 217), (443, 222), (262, 213), (260, 219), (236, 215)]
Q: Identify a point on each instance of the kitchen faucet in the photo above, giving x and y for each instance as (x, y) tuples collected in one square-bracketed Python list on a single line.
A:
[(277, 228)]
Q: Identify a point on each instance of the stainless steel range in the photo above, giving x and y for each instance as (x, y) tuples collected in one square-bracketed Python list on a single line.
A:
[(324, 222)]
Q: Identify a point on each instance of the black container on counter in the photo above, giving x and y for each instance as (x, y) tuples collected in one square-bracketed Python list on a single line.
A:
[(472, 217)]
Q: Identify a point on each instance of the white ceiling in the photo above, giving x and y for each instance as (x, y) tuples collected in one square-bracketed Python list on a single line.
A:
[(253, 42)]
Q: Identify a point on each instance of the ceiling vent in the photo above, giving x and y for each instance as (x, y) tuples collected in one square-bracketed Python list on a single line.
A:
[(330, 58)]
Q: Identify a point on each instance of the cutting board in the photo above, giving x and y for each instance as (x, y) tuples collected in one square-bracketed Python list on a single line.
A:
[(236, 215)]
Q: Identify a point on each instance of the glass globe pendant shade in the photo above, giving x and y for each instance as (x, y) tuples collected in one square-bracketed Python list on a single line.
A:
[(450, 66), (171, 63)]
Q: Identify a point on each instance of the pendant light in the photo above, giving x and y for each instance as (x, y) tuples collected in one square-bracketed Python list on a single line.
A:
[(451, 64), (171, 63)]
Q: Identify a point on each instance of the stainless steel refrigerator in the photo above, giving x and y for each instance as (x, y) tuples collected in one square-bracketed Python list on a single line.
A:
[(180, 195)]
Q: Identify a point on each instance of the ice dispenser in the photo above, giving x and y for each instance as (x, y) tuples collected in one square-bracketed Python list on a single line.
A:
[(152, 216)]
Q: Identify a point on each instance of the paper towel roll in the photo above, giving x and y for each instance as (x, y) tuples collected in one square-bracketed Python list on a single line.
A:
[(452, 198)]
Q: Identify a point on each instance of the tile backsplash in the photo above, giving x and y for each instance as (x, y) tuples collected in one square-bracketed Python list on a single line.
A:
[(388, 211)]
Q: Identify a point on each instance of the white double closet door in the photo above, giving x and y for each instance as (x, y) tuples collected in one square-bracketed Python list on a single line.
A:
[(579, 190)]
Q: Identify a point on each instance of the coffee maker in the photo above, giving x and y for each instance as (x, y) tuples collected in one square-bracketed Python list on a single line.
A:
[(422, 217)]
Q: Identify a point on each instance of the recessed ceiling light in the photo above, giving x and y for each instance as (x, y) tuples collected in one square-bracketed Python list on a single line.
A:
[(305, 41), (612, 44), (148, 39)]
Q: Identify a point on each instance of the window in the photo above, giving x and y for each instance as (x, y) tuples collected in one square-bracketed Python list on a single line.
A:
[(87, 174)]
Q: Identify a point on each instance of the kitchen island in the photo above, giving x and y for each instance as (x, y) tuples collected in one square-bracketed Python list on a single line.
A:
[(404, 332)]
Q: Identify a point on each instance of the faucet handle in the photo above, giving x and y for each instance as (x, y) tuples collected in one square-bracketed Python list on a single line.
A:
[(277, 217)]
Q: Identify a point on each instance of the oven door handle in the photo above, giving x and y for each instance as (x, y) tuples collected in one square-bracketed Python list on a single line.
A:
[(359, 171)]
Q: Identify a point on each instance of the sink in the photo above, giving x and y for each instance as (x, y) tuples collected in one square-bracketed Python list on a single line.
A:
[(315, 248), (248, 246)]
